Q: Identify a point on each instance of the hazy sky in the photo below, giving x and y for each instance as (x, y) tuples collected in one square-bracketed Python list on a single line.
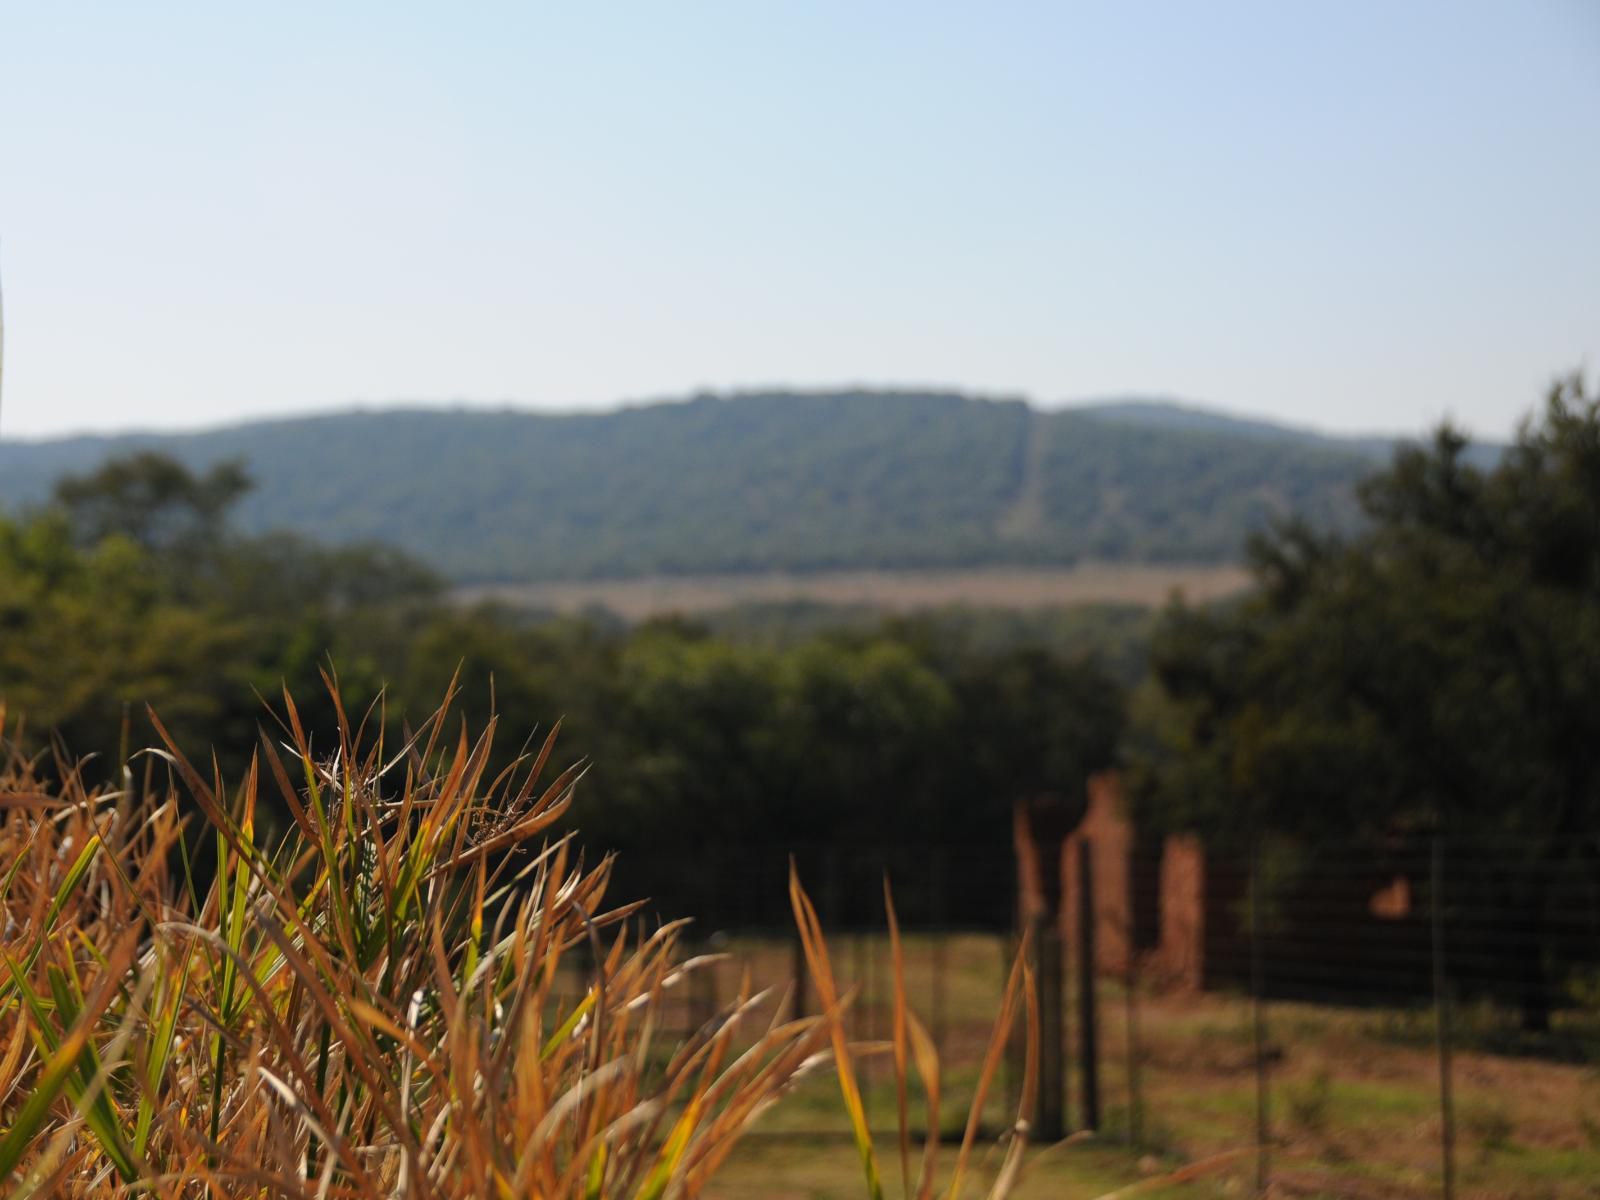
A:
[(1353, 215)]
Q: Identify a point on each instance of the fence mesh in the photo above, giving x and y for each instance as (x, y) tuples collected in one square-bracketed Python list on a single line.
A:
[(1333, 1020)]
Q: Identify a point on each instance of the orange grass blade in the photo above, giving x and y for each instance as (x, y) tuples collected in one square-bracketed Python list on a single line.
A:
[(991, 1064), (926, 1056), (816, 952)]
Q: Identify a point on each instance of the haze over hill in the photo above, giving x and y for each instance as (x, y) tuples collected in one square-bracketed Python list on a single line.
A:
[(797, 482)]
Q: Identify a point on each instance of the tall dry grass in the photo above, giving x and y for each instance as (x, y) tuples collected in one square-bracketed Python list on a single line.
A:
[(370, 1006)]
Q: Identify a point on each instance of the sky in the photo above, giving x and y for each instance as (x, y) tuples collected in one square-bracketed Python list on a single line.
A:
[(1360, 216)]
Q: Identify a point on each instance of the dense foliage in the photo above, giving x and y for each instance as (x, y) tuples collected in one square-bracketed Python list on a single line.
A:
[(752, 483), (130, 590), (1437, 675)]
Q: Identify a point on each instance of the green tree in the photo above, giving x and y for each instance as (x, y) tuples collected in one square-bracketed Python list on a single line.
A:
[(1437, 674), (858, 730), (131, 589), (88, 635), (153, 500)]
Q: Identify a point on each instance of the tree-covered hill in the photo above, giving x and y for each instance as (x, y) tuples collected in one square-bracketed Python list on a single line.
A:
[(772, 481)]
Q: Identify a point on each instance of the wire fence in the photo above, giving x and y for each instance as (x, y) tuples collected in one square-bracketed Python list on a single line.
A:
[(1417, 1019)]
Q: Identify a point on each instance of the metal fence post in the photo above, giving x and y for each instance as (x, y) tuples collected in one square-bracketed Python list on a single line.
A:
[(1441, 1023), (1259, 1030), (1051, 1112), (1130, 997), (1041, 915), (1089, 1045), (859, 1018), (868, 999), (938, 911)]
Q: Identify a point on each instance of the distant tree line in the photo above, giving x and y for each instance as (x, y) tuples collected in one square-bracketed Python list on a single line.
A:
[(1431, 671), (1436, 675), (131, 588)]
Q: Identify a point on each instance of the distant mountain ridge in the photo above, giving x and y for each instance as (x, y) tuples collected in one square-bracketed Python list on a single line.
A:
[(762, 481), (1174, 414)]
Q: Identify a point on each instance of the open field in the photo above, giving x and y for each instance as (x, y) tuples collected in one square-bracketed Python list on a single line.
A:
[(1354, 1095), (1088, 583)]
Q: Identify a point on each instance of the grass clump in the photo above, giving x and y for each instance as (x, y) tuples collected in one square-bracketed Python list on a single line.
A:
[(415, 992), (367, 1006)]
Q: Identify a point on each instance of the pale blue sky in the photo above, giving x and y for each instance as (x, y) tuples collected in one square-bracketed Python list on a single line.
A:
[(1354, 215)]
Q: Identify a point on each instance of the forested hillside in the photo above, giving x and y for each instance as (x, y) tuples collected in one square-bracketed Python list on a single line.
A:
[(758, 482)]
